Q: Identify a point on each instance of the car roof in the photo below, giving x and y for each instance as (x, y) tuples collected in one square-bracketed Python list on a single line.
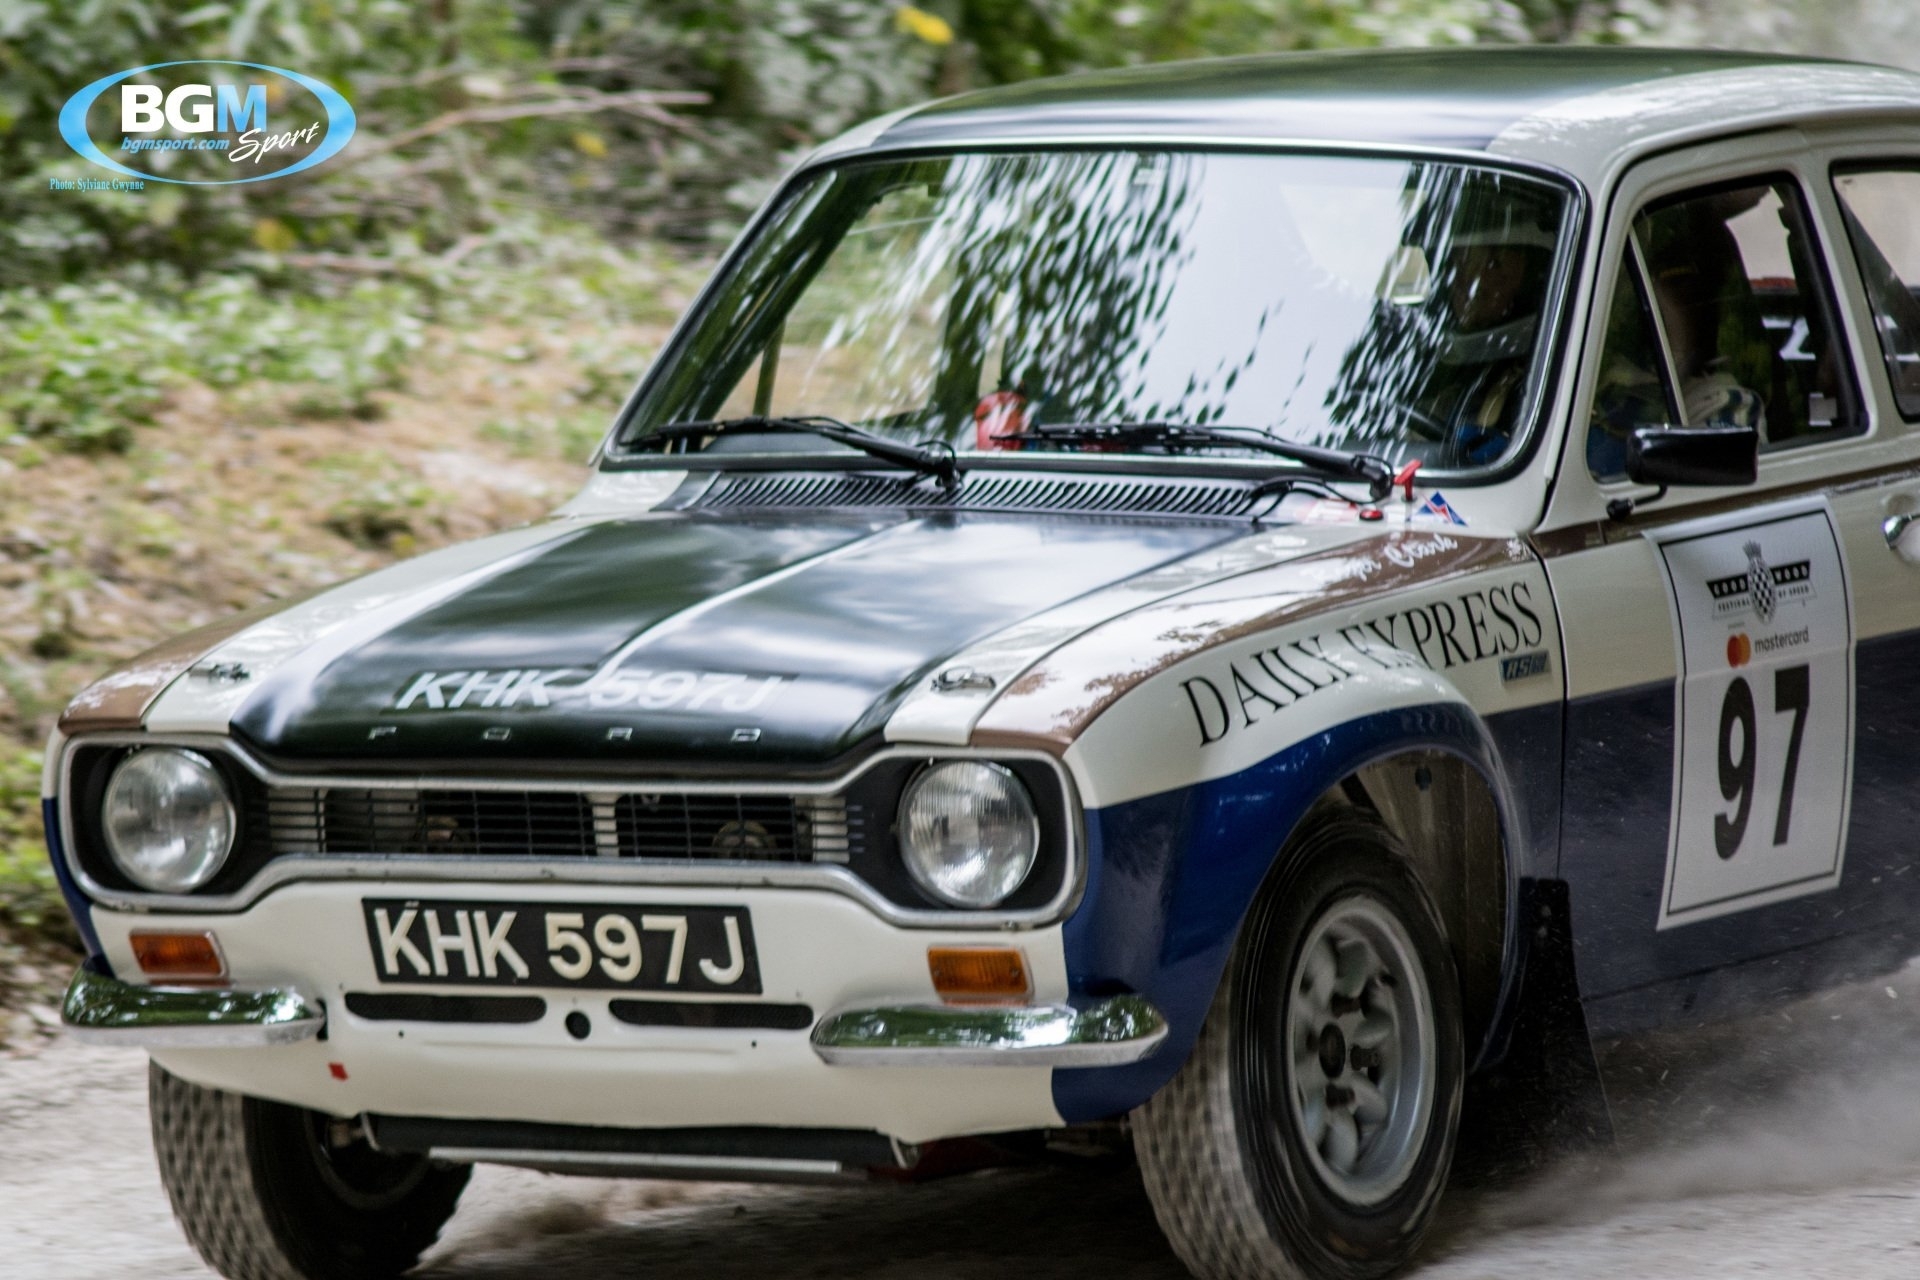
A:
[(1578, 107)]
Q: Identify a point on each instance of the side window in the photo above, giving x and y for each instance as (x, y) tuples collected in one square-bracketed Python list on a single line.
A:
[(1746, 314), (1633, 389), (1883, 219)]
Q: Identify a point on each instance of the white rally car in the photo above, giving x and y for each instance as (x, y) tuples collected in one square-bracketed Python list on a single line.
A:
[(1198, 598)]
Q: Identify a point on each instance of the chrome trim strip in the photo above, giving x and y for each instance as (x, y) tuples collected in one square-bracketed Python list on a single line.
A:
[(1150, 140), (1113, 1032), (290, 868), (106, 1010), (657, 1165)]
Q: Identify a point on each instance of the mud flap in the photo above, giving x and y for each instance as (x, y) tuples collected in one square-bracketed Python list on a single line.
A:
[(1542, 1097)]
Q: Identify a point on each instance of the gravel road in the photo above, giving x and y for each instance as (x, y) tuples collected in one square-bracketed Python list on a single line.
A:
[(1816, 1177)]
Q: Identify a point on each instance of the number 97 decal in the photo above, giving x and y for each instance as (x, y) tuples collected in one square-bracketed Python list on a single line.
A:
[(1790, 695), (1763, 715)]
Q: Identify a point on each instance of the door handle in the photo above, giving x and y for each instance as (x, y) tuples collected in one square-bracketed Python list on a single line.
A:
[(1895, 527)]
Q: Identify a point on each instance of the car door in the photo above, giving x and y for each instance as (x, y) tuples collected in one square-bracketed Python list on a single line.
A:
[(1729, 651)]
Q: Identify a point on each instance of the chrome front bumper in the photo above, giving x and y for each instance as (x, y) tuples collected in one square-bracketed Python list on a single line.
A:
[(1113, 1032), (103, 1009)]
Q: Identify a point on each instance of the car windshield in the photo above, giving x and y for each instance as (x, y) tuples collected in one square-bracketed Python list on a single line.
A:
[(1380, 304)]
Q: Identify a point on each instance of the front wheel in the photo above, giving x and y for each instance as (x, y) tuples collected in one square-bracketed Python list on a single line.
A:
[(266, 1191), (1311, 1131)]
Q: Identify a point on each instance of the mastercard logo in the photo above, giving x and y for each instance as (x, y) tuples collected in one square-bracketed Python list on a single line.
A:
[(1739, 650)]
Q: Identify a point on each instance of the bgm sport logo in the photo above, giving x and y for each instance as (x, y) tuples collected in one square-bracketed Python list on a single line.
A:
[(207, 122)]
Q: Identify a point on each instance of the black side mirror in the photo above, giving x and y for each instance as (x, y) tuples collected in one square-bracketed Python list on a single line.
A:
[(1715, 455)]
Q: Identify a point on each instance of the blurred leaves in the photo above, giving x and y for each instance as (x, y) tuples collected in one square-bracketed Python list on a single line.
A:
[(923, 25), (29, 895), (83, 364), (274, 235)]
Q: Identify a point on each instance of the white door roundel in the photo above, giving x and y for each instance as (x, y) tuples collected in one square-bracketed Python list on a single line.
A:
[(1763, 709)]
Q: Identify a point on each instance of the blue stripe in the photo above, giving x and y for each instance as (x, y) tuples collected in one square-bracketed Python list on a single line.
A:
[(1171, 876), (77, 903)]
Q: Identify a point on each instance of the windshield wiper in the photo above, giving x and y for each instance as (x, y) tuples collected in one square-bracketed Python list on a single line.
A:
[(935, 460), (1370, 469)]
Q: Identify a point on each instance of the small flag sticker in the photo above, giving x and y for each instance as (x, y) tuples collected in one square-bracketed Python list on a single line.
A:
[(1436, 507)]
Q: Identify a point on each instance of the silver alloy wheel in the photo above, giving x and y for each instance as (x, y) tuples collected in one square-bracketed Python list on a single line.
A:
[(1360, 1049)]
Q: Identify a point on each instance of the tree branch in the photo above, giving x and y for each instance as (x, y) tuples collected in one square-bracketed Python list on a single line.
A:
[(647, 103)]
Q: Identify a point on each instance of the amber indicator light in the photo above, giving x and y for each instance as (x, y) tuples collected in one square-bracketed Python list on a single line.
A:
[(965, 975), (179, 957)]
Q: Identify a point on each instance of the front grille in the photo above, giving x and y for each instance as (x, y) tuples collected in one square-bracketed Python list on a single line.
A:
[(556, 824)]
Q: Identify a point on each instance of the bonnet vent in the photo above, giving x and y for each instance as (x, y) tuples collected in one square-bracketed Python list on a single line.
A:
[(1096, 496)]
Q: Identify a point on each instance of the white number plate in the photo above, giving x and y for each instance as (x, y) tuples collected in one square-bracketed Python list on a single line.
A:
[(653, 948)]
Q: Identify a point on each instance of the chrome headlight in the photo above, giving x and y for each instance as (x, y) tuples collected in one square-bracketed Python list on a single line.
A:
[(168, 819), (968, 832)]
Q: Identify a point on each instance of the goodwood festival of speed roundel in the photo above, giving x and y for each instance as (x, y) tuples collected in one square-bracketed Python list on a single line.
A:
[(207, 122)]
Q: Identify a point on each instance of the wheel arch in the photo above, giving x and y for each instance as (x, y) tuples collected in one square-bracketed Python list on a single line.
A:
[(1446, 812), (1173, 876)]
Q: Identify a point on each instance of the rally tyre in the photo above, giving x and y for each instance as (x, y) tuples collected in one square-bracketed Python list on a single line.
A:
[(1311, 1131), (266, 1191)]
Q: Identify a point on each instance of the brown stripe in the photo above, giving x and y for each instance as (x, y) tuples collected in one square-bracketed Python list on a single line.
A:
[(1052, 704), (118, 701), (1600, 533)]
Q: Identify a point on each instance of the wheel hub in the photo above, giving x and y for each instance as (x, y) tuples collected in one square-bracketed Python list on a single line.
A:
[(1360, 1044), (1333, 1050)]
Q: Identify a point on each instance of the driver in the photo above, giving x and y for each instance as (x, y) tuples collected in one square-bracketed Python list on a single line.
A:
[(1697, 278), (1495, 281), (1697, 283)]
